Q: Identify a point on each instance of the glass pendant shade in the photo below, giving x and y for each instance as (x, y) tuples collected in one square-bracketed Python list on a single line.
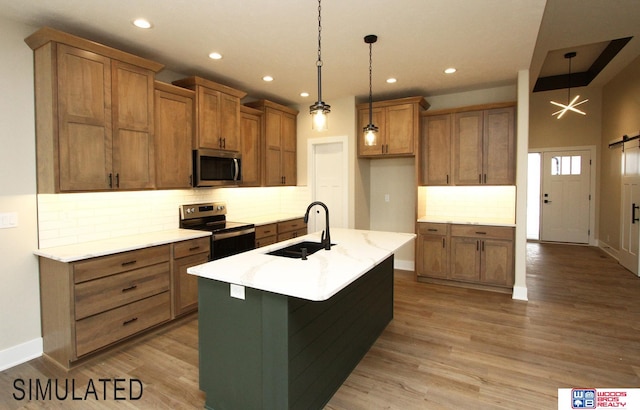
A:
[(319, 117), (370, 135)]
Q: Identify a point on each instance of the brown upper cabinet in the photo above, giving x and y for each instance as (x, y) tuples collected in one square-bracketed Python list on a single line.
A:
[(217, 114), (94, 115), (279, 147), (250, 140), (174, 135), (398, 124), (469, 146)]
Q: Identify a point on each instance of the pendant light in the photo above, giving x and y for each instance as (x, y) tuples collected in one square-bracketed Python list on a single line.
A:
[(370, 131), (319, 110), (571, 104)]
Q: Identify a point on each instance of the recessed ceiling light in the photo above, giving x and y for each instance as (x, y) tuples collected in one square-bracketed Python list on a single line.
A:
[(391, 80), (267, 78), (304, 94), (450, 70), (215, 56), (142, 23)]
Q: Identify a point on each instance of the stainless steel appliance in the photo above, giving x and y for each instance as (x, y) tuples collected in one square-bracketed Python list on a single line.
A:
[(228, 238), (213, 167)]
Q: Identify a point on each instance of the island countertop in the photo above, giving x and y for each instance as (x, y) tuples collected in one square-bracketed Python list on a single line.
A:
[(319, 277)]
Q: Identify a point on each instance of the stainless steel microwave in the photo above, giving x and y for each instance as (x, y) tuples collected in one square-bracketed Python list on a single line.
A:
[(213, 167)]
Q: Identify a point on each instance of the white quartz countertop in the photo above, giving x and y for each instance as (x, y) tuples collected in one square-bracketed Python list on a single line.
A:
[(86, 250), (467, 221), (319, 277)]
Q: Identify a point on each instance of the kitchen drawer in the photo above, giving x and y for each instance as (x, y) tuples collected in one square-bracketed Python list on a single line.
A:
[(120, 262), (482, 231), (109, 327), (262, 231), (191, 247), (291, 225), (266, 240), (430, 228), (292, 234), (99, 295)]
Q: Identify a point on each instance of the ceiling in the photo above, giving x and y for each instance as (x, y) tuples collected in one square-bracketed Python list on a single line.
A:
[(488, 41)]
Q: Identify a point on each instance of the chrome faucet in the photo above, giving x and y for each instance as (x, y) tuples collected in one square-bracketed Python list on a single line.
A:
[(325, 240)]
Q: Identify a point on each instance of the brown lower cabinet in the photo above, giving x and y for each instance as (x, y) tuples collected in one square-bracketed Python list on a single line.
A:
[(88, 305), (469, 255), (271, 233)]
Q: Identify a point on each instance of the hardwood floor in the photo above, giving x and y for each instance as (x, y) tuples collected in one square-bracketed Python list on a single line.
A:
[(446, 348)]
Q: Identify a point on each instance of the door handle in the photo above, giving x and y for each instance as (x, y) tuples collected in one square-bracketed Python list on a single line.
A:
[(633, 213), (546, 201)]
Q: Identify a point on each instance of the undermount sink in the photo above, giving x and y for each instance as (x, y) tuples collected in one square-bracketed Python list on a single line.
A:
[(299, 250)]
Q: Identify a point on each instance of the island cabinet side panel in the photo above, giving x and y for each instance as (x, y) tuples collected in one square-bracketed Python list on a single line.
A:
[(328, 339), (236, 370)]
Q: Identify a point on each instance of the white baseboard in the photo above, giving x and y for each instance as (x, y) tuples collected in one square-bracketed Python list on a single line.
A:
[(520, 293), (608, 249), (21, 353), (404, 265)]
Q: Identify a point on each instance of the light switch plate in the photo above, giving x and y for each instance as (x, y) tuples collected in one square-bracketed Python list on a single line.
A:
[(8, 220), (236, 291)]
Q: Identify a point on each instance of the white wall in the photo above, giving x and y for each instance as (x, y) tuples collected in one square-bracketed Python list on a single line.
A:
[(19, 292)]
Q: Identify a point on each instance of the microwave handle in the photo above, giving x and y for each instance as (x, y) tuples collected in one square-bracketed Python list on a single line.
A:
[(237, 169)]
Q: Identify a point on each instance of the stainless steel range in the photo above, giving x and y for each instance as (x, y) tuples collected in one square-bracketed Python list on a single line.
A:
[(228, 238)]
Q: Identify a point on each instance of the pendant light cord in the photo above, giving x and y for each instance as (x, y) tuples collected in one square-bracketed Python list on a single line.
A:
[(319, 62), (370, 87), (569, 89)]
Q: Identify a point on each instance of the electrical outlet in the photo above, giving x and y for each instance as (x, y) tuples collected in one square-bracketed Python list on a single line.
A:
[(236, 291), (8, 220), (386, 197)]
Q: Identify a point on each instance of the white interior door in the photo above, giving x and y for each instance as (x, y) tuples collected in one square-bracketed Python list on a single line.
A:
[(630, 212), (328, 180), (566, 196)]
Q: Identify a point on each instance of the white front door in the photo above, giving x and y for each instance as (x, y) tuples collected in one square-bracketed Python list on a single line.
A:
[(566, 196), (630, 212), (328, 180)]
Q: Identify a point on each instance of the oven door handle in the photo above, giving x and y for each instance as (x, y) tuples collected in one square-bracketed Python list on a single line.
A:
[(233, 234)]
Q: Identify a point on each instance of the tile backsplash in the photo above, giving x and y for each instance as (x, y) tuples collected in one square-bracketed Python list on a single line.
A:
[(474, 204), (65, 219)]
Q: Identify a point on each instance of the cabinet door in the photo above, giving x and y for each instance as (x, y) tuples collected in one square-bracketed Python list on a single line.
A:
[(250, 148), (436, 156), (499, 146), (400, 123), (208, 114), (133, 148), (84, 117), (465, 259), (289, 149), (497, 262), (273, 147), (378, 118), (434, 256), (467, 145), (230, 122), (173, 138), (186, 285)]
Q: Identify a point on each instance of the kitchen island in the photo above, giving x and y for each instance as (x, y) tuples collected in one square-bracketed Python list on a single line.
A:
[(279, 333)]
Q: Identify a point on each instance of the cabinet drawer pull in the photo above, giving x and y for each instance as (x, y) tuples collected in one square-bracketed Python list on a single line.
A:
[(194, 248), (432, 230), (129, 263), (127, 322), (132, 287), (481, 233), (269, 231)]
